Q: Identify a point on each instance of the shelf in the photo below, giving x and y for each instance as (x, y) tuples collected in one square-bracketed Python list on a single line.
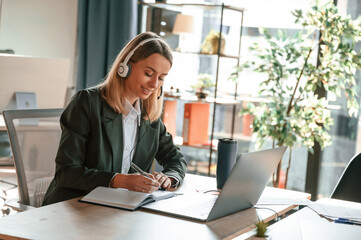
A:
[(238, 136), (160, 18), (253, 99), (201, 168), (208, 54), (180, 6), (223, 101), (242, 137), (179, 142)]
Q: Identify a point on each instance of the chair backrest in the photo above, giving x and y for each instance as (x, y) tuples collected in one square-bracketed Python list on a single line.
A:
[(34, 137), (349, 185)]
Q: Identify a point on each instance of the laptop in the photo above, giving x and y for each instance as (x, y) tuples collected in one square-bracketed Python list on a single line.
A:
[(242, 189)]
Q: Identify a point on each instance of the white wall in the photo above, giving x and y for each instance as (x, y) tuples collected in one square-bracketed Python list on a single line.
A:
[(43, 28), (270, 14)]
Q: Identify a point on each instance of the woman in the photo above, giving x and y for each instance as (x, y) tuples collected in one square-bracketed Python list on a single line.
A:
[(106, 128)]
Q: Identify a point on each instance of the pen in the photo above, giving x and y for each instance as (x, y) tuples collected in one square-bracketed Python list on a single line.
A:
[(139, 170), (347, 221)]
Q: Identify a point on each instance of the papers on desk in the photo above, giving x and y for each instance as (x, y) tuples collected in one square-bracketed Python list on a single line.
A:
[(334, 209), (276, 196), (282, 201), (315, 230), (329, 208)]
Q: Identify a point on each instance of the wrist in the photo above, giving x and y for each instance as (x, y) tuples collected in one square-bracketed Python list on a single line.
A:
[(174, 182), (118, 181)]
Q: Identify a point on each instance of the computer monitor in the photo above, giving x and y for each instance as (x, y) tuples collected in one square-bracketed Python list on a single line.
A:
[(46, 77)]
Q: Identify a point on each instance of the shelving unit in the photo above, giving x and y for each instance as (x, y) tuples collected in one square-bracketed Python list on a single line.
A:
[(160, 17), (210, 54)]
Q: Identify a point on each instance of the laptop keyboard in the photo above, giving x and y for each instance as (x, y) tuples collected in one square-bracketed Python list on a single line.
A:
[(201, 208)]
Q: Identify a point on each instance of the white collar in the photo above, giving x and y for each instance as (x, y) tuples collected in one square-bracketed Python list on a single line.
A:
[(131, 112)]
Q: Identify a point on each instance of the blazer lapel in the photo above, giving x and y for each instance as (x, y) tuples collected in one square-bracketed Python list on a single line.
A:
[(112, 126)]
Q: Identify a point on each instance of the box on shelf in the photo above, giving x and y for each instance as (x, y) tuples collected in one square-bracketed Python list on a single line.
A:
[(195, 123), (170, 116)]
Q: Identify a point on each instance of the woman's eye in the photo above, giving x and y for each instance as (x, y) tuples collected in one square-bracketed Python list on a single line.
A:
[(148, 75)]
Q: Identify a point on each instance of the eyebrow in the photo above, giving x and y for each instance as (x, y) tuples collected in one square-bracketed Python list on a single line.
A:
[(155, 70)]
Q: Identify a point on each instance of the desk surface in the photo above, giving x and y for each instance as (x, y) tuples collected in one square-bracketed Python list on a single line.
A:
[(73, 219), (290, 227)]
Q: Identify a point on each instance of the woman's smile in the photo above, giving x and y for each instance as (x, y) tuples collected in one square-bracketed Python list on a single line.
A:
[(146, 77), (147, 90)]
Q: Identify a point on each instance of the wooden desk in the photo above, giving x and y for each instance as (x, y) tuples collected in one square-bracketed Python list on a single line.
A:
[(75, 220), (290, 227)]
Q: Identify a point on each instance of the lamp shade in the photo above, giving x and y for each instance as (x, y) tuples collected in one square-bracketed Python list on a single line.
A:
[(183, 24)]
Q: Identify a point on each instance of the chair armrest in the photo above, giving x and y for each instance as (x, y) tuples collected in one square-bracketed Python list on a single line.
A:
[(15, 205)]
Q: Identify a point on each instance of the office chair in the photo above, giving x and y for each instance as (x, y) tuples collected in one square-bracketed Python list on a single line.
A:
[(34, 136), (349, 185)]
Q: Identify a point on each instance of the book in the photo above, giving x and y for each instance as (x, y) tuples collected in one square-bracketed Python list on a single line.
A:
[(123, 198)]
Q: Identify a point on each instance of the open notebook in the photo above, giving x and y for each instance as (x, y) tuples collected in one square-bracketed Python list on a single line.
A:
[(123, 198)]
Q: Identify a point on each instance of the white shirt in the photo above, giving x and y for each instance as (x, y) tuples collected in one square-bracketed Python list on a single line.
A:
[(131, 122)]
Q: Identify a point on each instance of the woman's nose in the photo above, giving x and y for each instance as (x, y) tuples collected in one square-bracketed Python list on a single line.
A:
[(154, 82)]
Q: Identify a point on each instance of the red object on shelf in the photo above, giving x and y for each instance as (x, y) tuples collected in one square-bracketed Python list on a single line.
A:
[(247, 122), (170, 116), (195, 123), (282, 181)]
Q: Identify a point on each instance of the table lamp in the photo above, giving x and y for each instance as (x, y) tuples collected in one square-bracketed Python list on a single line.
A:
[(183, 25)]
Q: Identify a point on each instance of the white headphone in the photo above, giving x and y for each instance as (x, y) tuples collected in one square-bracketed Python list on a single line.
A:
[(125, 68)]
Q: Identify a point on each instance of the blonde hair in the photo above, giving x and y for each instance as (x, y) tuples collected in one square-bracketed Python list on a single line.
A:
[(112, 88)]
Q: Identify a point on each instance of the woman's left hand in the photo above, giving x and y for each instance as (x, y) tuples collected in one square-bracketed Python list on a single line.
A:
[(163, 179)]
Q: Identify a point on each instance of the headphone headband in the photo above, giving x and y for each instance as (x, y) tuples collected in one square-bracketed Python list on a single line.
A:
[(124, 67), (130, 54)]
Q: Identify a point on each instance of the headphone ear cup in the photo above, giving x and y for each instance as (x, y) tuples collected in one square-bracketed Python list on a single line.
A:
[(129, 69), (124, 70), (161, 92)]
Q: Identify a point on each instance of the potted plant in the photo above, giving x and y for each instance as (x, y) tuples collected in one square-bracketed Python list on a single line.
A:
[(261, 230), (293, 110), (203, 85)]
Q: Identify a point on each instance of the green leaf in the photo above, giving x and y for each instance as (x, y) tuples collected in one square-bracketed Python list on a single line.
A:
[(282, 59)]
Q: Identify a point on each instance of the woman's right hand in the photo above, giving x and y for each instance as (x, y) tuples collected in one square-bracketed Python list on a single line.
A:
[(135, 182)]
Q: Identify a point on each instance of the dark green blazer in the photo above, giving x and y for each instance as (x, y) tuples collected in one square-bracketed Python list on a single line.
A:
[(91, 148)]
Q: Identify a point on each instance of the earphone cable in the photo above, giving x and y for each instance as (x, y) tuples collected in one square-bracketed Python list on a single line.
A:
[(130, 154)]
